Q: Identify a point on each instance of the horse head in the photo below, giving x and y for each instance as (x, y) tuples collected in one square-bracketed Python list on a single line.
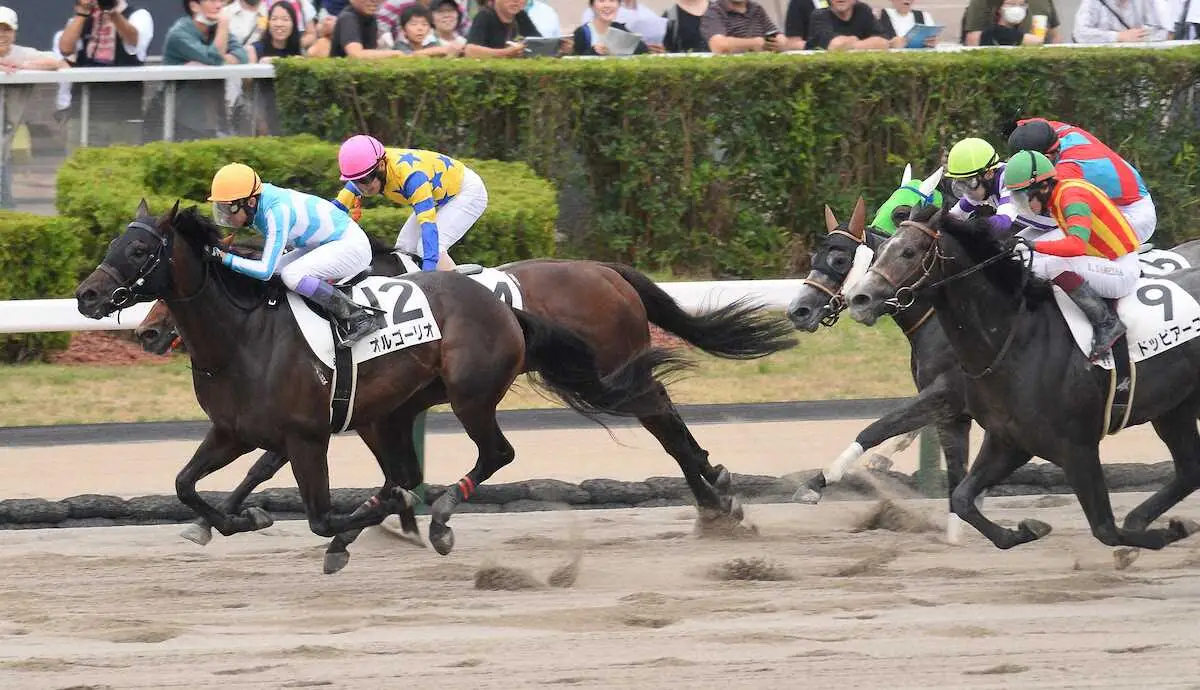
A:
[(819, 298), (157, 333), (909, 195)]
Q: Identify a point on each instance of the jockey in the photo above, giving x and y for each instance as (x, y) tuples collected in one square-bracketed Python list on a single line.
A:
[(1077, 153), (446, 196), (326, 245), (1094, 258), (976, 178)]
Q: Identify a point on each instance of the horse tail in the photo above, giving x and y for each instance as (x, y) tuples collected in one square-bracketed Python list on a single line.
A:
[(563, 364), (740, 330)]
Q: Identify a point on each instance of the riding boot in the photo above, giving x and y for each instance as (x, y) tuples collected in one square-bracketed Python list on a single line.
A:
[(356, 320), (1106, 325)]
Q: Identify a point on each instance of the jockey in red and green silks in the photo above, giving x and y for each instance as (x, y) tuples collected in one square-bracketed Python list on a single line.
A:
[(910, 194)]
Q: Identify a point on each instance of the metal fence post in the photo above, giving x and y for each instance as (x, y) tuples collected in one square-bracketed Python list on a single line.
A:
[(930, 476), (169, 113), (85, 113), (419, 446)]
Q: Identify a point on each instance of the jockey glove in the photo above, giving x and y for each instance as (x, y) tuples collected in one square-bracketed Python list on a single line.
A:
[(216, 253), (1071, 245)]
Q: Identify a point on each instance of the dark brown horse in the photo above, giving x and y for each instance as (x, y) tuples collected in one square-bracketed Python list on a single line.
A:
[(262, 387), (611, 307)]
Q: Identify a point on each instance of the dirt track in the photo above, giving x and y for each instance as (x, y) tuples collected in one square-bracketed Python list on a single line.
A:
[(137, 607)]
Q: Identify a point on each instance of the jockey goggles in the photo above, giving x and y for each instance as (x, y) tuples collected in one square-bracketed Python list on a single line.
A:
[(223, 211)]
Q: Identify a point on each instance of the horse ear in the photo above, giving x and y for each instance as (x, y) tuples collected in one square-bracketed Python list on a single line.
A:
[(931, 183), (858, 219), (907, 174), (830, 221), (143, 209)]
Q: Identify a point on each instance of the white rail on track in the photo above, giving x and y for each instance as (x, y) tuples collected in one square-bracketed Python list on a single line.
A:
[(51, 315)]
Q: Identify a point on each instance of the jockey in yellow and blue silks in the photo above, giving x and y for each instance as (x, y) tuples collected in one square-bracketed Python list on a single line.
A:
[(324, 245), (446, 196)]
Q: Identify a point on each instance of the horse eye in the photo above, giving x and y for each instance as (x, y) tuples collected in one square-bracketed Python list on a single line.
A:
[(901, 214), (840, 262), (908, 253)]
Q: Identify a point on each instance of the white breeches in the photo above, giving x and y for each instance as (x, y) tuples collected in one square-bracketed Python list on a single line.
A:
[(453, 219), (346, 256), (1142, 217), (1110, 279)]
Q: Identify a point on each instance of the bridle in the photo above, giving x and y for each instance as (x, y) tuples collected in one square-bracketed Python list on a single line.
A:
[(149, 282), (837, 301), (933, 256)]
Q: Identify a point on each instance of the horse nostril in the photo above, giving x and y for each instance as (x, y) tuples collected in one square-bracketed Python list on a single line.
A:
[(860, 300), (87, 295), (148, 334), (803, 312)]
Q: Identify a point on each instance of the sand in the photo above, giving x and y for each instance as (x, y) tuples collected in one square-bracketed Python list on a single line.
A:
[(812, 603)]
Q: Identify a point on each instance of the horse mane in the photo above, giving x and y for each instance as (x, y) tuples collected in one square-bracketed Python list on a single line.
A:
[(199, 231), (977, 239)]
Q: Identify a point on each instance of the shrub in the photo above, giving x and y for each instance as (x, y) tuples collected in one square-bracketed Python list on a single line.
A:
[(39, 258)]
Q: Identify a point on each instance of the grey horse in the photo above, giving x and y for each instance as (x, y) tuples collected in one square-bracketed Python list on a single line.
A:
[(1034, 392)]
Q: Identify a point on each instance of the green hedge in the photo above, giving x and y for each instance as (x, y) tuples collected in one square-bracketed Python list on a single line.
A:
[(722, 166), (39, 258), (518, 224)]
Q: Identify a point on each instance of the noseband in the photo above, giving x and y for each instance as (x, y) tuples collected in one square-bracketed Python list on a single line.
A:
[(148, 283)]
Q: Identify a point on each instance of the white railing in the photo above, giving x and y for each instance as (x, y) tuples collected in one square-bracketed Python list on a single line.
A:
[(51, 315)]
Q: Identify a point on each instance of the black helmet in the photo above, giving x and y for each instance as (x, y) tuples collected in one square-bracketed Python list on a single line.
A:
[(1037, 135)]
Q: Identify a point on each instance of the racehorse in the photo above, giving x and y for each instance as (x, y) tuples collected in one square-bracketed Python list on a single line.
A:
[(262, 387), (610, 306), (941, 400), (1033, 390)]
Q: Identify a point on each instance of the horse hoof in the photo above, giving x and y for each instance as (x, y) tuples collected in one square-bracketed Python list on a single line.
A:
[(1124, 557), (197, 534), (807, 495), (442, 538), (1184, 527), (1034, 529), (879, 463), (736, 512), (335, 561), (259, 518), (392, 527), (724, 481)]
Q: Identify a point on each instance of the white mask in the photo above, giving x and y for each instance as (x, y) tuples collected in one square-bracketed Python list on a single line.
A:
[(1013, 14), (199, 17)]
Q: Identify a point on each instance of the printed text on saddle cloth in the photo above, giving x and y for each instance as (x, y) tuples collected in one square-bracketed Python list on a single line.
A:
[(1158, 316), (406, 309)]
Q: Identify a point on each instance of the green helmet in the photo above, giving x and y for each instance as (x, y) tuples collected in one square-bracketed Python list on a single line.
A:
[(1027, 168), (970, 157)]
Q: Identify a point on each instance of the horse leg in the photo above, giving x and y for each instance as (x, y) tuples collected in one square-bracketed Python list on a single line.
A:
[(1086, 477), (266, 467), (931, 405), (955, 439), (217, 450), (494, 453), (996, 461), (1178, 431), (881, 460)]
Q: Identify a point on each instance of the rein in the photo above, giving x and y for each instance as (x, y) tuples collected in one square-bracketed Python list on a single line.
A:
[(934, 256)]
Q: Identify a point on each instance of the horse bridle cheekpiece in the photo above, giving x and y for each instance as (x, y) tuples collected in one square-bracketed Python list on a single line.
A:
[(906, 295), (837, 301), (127, 292)]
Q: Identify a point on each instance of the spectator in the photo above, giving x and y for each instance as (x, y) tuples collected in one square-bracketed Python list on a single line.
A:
[(417, 37), (1038, 22), (740, 26), (845, 25), (628, 14), (388, 17), (14, 57), (683, 27), (282, 37), (447, 21), (356, 33), (116, 33), (497, 30), (1119, 21), (201, 37), (1184, 16), (897, 20), (544, 17), (798, 18), (590, 37)]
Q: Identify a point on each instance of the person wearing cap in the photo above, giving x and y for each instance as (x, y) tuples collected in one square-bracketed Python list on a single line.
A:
[(1094, 257), (326, 245), (446, 196), (1077, 153), (14, 57), (976, 177)]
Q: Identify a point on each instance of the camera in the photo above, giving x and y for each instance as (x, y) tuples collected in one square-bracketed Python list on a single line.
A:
[(106, 5)]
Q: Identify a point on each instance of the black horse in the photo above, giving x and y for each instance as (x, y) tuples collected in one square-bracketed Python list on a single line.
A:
[(262, 387), (1034, 392)]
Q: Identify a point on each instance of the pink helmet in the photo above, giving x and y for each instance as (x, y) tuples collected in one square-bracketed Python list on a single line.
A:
[(358, 156)]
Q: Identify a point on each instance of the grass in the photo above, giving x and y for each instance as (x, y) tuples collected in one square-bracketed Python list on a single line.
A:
[(847, 361)]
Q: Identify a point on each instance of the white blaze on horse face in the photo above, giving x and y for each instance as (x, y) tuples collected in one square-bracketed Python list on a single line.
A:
[(863, 256)]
